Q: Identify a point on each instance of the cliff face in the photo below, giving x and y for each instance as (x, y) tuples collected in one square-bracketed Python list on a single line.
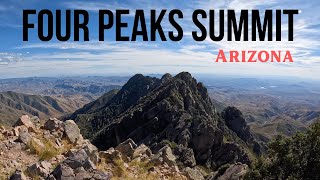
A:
[(172, 110), (100, 113)]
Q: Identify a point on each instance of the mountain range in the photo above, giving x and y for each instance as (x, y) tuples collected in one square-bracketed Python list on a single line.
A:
[(171, 110), (169, 122), (13, 105)]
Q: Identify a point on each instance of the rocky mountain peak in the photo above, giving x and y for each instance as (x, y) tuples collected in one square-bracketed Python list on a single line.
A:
[(177, 111), (166, 77), (186, 76), (235, 121)]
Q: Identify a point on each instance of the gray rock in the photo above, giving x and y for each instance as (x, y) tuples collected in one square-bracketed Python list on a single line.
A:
[(193, 174), (100, 175), (236, 122), (164, 155), (71, 131), (26, 121), (52, 124), (63, 172), (79, 159), (110, 155), (18, 175), (92, 152), (185, 155), (78, 166), (141, 150), (166, 77), (41, 169), (235, 172), (24, 137), (127, 148), (81, 173)]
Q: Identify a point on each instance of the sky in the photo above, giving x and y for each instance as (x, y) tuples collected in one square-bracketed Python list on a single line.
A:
[(110, 57)]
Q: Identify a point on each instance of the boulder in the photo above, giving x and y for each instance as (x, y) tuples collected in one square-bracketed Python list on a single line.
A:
[(81, 173), (234, 172), (63, 171), (79, 159), (24, 137), (92, 152), (126, 148), (41, 169), (71, 131), (100, 175), (164, 155), (110, 155), (185, 155), (18, 175), (16, 131), (52, 124), (26, 121), (193, 174), (141, 151), (78, 166)]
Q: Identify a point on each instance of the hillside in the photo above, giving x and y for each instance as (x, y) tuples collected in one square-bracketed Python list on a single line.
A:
[(176, 111), (13, 105), (56, 150)]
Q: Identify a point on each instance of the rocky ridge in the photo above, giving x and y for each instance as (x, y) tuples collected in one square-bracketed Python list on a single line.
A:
[(57, 150), (175, 112)]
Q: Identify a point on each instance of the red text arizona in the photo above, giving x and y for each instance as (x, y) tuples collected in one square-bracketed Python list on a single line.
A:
[(254, 56)]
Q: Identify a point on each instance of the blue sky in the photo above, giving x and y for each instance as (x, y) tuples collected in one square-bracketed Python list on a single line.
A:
[(36, 58)]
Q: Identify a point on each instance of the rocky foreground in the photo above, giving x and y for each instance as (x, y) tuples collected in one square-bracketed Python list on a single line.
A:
[(33, 149)]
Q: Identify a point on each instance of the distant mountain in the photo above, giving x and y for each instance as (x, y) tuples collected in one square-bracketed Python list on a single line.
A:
[(280, 126), (13, 105), (281, 107), (176, 111), (88, 86)]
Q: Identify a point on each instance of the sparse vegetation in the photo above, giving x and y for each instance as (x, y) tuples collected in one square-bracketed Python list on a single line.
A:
[(171, 144), (119, 170), (45, 153), (291, 158)]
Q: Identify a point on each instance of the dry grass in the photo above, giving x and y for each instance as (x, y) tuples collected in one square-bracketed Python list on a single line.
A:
[(49, 151)]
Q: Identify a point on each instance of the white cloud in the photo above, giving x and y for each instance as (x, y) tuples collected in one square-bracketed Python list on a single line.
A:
[(9, 58), (158, 57)]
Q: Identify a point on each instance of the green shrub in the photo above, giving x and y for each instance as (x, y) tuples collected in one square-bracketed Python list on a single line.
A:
[(297, 157)]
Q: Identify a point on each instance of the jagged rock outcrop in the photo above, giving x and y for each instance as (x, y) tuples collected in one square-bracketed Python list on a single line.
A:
[(95, 116), (193, 174), (25, 121), (49, 154), (41, 168), (235, 121), (173, 109), (235, 171), (52, 124), (71, 131)]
